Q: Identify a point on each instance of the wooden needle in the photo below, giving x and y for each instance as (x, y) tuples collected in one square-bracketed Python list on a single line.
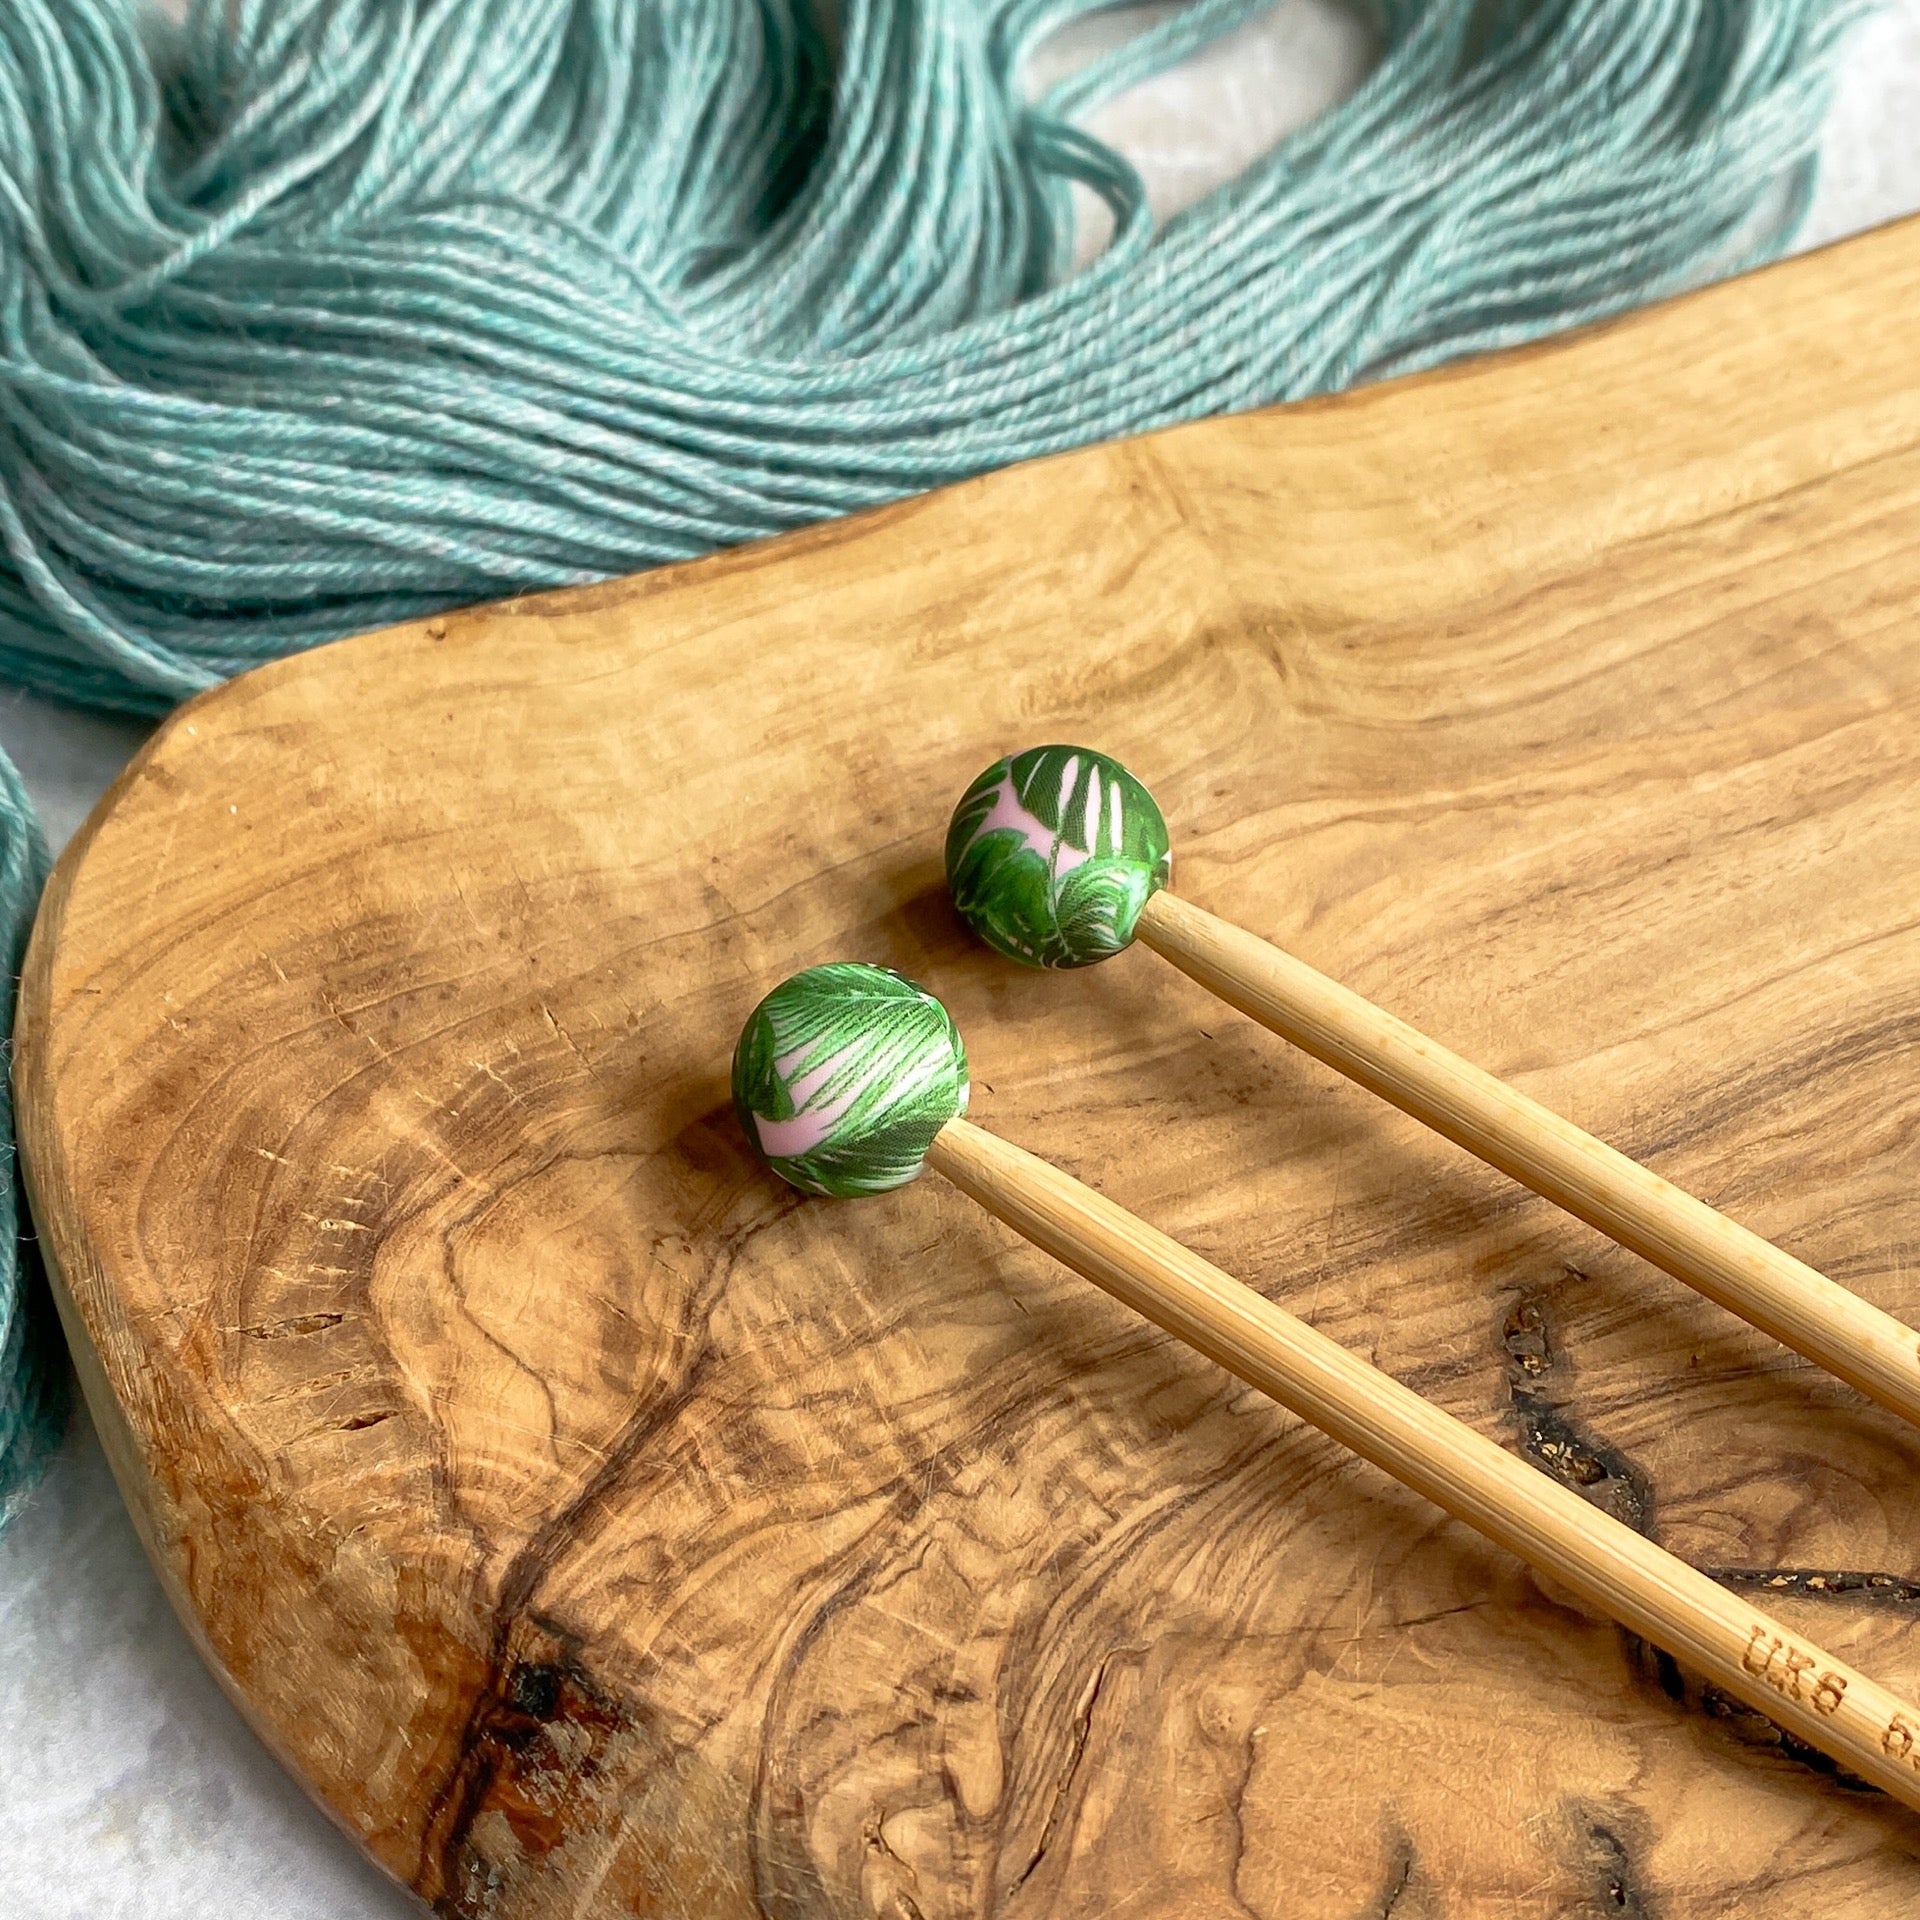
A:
[(1059, 857), (1730, 1264), (1869, 1731)]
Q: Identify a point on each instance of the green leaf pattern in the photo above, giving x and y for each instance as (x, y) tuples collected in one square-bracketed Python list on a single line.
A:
[(842, 1077), (1053, 852)]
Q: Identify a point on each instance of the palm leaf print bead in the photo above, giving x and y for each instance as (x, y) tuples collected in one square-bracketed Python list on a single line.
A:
[(1053, 852), (842, 1077)]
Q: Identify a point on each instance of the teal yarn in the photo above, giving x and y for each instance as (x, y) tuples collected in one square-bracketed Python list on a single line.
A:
[(32, 1383), (321, 314)]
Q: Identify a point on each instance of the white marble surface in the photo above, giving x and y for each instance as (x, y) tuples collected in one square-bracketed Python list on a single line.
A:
[(131, 1788)]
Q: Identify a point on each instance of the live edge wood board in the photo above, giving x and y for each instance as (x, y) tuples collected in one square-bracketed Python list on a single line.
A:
[(598, 1529)]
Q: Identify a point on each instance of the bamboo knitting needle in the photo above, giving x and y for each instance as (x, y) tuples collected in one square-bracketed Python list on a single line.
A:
[(1058, 857), (848, 1080)]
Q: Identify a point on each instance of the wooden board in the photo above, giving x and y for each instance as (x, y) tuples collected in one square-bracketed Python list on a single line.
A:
[(598, 1529)]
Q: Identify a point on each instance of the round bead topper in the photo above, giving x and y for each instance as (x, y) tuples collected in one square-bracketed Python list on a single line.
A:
[(1053, 852), (842, 1077)]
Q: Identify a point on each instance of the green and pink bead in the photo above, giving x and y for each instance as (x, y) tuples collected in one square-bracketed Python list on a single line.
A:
[(842, 1077), (1053, 852)]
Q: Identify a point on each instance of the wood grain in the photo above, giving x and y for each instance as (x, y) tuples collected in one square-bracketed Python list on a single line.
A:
[(598, 1529)]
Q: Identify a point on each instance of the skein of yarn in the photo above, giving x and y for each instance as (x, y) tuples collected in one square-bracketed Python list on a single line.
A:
[(321, 314)]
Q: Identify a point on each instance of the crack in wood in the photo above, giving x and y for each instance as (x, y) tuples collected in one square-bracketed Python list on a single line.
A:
[(1754, 1729), (300, 1324), (1616, 1889), (1599, 1473), (1613, 1481), (1400, 1871), (1078, 1736), (1843, 1583)]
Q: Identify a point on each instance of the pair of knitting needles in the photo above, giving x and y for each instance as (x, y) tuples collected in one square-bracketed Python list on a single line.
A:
[(849, 1080)]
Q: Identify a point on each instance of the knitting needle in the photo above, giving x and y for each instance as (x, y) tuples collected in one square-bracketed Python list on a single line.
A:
[(849, 1080), (1058, 857)]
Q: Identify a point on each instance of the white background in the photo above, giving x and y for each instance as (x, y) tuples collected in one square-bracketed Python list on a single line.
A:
[(130, 1788)]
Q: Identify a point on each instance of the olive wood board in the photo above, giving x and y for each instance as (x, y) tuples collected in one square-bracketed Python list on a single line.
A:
[(597, 1528)]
